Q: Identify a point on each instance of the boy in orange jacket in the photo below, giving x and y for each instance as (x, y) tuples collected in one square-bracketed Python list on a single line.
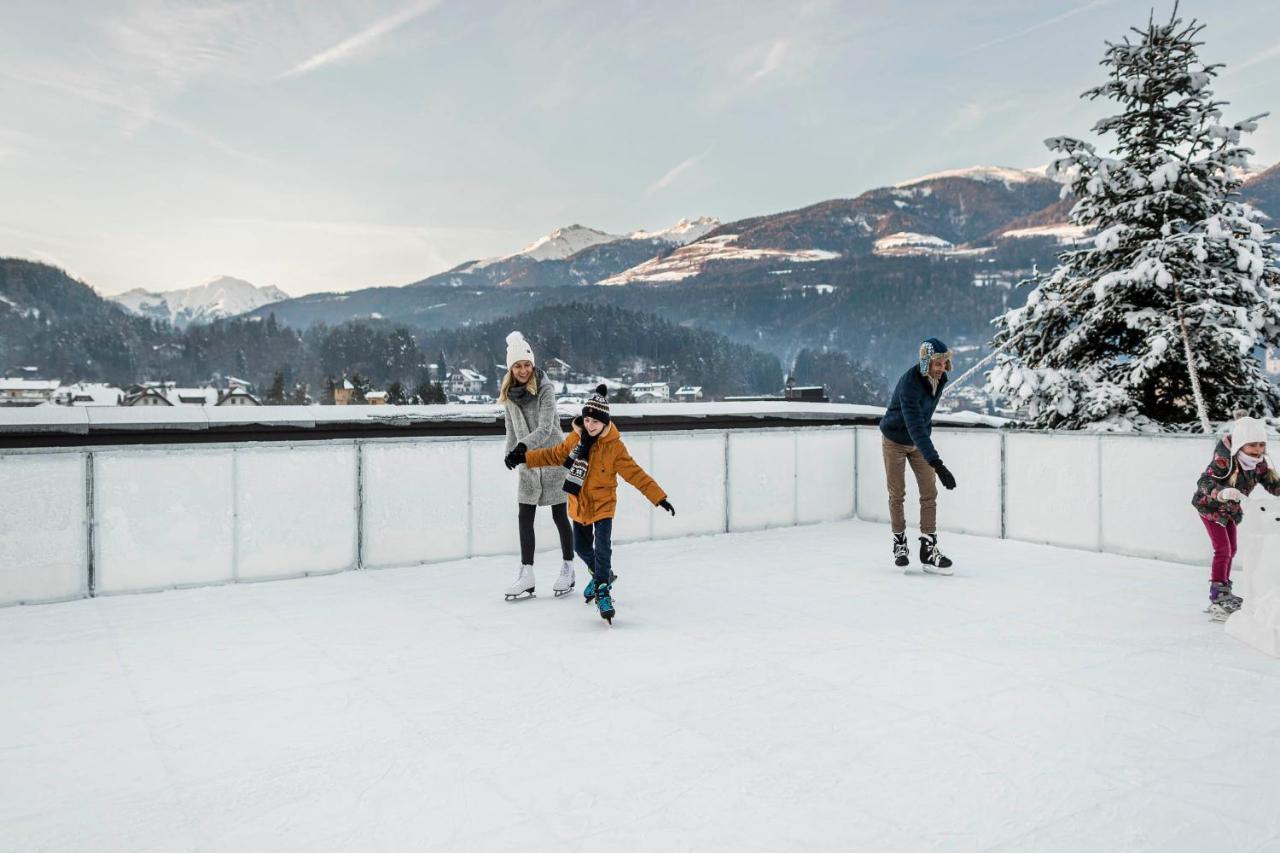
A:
[(595, 456)]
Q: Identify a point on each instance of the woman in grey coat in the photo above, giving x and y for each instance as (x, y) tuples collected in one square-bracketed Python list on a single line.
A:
[(529, 403)]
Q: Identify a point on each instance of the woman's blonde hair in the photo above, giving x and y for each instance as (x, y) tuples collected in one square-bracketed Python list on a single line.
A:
[(510, 379)]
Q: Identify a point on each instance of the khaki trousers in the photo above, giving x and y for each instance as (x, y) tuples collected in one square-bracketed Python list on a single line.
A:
[(896, 457)]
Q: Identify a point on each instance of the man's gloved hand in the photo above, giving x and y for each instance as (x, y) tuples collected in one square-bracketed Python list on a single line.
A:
[(666, 504), (944, 474), (515, 457)]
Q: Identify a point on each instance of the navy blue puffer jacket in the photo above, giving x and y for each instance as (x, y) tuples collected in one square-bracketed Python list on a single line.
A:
[(909, 418)]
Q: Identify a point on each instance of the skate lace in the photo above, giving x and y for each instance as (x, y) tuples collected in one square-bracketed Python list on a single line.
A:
[(899, 547), (518, 575)]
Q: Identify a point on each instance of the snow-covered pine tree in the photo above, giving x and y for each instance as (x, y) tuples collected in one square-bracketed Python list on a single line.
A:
[(1100, 342)]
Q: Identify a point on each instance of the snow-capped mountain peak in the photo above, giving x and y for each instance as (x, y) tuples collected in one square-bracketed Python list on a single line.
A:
[(220, 296), (563, 242), (986, 174), (683, 232), (559, 244)]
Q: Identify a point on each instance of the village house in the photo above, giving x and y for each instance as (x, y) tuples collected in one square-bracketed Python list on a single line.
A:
[(651, 392), (89, 394), (689, 394), (463, 381), (27, 392)]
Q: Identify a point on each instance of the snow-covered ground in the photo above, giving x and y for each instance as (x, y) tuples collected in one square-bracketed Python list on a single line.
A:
[(1064, 232), (987, 174), (688, 261), (783, 690)]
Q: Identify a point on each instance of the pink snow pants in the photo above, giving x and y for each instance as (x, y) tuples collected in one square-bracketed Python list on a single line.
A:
[(1224, 548)]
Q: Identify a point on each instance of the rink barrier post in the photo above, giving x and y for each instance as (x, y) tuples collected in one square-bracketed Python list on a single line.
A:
[(359, 445), (235, 514), (1004, 487), (795, 477), (727, 490), (91, 527), (470, 548), (854, 431)]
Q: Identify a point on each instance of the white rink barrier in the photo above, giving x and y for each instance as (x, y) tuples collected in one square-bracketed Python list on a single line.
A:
[(89, 521)]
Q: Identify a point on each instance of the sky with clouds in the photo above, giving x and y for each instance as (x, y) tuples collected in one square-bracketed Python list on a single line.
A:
[(334, 144)]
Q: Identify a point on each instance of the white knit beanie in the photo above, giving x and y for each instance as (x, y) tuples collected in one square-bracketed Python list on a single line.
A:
[(518, 349), (1246, 431)]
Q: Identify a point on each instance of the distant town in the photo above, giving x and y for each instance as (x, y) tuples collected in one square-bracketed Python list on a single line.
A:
[(463, 384)]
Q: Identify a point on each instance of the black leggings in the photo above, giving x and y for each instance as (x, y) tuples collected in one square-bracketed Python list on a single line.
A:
[(560, 515)]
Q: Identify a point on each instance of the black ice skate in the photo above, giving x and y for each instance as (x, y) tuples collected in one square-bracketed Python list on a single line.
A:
[(900, 550), (933, 560)]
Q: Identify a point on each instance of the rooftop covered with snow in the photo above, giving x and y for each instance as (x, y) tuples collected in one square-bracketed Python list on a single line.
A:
[(778, 690)]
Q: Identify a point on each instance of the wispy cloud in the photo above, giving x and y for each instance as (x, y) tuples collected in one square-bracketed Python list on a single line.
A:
[(142, 112), (773, 60), (147, 55), (365, 39), (1048, 22), (1259, 57), (673, 174)]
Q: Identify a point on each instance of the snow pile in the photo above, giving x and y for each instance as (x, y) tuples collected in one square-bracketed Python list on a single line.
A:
[(985, 174), (221, 296), (1257, 623), (688, 261), (911, 243), (683, 232)]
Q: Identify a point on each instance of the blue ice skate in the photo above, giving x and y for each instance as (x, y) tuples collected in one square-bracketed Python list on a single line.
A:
[(604, 601), (589, 591)]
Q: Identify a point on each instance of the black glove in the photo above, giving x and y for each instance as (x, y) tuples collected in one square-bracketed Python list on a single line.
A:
[(666, 504), (515, 457), (948, 479)]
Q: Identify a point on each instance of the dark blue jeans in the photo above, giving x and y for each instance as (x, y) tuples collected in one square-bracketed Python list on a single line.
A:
[(594, 544)]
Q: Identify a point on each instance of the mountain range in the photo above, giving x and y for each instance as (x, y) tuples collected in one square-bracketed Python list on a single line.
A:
[(869, 275), (221, 296)]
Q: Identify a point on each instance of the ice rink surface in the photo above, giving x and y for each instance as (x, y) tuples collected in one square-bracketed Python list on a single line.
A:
[(784, 690)]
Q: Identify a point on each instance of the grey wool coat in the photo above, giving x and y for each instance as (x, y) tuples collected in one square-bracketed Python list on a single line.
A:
[(532, 419)]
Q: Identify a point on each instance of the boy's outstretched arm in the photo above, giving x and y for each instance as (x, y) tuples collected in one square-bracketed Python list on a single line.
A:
[(552, 455), (630, 471)]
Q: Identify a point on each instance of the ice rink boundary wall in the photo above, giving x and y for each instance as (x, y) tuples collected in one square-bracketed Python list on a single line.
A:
[(83, 521)]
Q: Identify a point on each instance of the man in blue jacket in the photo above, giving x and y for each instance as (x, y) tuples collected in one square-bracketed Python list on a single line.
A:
[(905, 437)]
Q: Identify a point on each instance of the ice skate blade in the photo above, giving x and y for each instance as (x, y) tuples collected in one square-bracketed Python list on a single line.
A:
[(938, 570), (561, 593), (520, 596)]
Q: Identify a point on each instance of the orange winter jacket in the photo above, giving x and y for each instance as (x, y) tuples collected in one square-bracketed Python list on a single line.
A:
[(609, 458)]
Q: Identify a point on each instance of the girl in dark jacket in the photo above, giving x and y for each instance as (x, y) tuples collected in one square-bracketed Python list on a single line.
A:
[(1239, 464)]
